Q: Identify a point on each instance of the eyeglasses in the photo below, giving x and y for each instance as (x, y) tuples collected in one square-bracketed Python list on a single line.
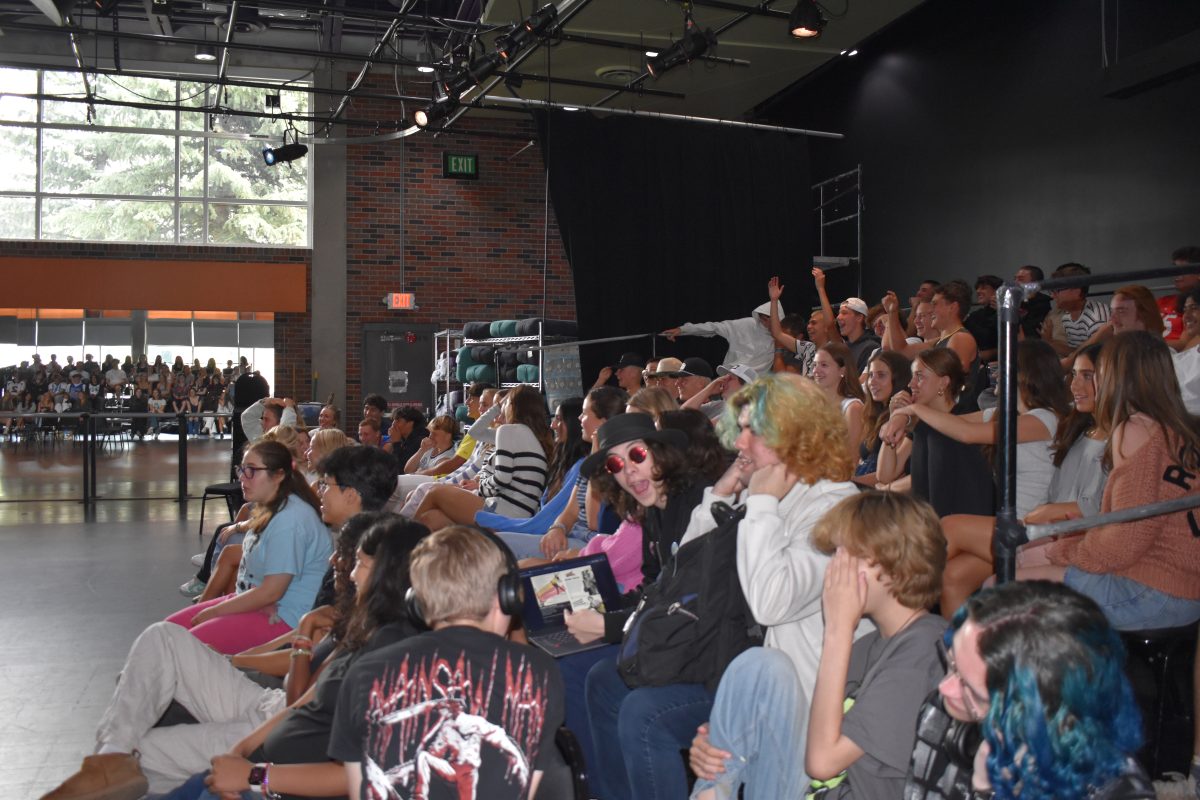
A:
[(249, 471), (971, 698), (614, 464)]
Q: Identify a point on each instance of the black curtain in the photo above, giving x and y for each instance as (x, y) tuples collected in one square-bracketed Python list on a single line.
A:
[(669, 222)]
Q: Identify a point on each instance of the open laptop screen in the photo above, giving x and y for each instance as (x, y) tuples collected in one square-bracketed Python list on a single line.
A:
[(574, 584)]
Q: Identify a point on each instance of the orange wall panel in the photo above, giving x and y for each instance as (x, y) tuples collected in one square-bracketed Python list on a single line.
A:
[(167, 285)]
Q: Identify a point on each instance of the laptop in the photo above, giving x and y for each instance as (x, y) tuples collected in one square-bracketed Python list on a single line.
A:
[(574, 584)]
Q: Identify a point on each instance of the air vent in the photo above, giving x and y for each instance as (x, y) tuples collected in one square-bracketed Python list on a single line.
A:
[(617, 75)]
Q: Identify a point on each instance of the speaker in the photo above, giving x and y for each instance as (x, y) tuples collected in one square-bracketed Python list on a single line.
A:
[(509, 590)]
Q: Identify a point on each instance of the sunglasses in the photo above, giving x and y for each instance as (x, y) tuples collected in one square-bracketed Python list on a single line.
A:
[(614, 464)]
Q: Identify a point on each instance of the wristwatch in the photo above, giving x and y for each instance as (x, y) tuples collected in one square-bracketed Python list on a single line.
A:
[(259, 781)]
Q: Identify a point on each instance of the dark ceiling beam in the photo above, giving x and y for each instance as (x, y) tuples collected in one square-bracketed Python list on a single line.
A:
[(161, 23), (331, 25), (760, 10), (642, 48), (241, 82), (574, 7), (1153, 67), (745, 14), (248, 46), (526, 76)]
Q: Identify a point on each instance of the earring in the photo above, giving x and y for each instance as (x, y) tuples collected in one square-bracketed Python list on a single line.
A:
[(941, 392)]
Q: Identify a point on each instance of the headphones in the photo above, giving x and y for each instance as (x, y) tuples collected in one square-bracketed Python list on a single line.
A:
[(509, 589)]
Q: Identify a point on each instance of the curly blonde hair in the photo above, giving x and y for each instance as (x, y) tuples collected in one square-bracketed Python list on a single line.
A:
[(798, 421)]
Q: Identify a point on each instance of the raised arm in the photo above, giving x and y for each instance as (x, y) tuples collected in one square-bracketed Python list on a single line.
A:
[(826, 309), (782, 339)]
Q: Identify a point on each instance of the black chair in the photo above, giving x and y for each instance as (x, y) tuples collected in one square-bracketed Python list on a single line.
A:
[(231, 491), (1160, 669)]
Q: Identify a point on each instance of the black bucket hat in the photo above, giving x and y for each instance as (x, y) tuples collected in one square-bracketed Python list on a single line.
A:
[(628, 428)]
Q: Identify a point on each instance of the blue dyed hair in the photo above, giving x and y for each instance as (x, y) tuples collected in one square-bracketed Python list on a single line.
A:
[(1062, 715)]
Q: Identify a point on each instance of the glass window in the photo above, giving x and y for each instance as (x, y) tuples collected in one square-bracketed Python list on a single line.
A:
[(17, 217), (18, 81), (108, 220), (272, 225), (107, 162), (20, 148), (100, 185)]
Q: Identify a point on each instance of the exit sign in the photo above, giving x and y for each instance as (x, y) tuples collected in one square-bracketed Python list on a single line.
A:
[(460, 165), (401, 301)]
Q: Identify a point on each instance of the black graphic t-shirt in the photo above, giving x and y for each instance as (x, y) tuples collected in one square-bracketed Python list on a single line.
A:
[(454, 713)]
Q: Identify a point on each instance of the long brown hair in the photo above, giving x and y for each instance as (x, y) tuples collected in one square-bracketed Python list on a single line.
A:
[(848, 385), (876, 414), (1076, 423), (526, 407), (1136, 374), (277, 458)]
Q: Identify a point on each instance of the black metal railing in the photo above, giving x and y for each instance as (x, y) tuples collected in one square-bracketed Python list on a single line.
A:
[(87, 431)]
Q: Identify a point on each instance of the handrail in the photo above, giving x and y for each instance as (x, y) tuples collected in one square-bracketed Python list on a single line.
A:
[(1011, 533)]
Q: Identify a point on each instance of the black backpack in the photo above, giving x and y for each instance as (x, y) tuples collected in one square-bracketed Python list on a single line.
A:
[(694, 619)]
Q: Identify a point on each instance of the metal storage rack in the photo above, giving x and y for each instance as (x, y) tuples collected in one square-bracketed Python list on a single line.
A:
[(450, 340)]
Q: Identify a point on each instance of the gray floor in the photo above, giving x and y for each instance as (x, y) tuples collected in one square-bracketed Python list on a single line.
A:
[(75, 592)]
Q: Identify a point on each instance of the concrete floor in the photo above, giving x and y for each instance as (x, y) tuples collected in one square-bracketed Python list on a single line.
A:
[(76, 587)]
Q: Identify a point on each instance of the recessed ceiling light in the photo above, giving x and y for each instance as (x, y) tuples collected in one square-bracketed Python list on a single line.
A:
[(651, 54), (852, 53), (424, 69), (570, 108), (205, 52), (843, 52)]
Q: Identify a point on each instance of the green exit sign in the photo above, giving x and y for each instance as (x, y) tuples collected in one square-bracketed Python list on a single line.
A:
[(459, 165)]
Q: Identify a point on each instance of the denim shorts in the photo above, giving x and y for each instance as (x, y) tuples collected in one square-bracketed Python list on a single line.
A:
[(1132, 606)]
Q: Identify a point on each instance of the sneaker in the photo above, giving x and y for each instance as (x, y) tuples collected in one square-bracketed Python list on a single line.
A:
[(112, 776), (192, 588), (198, 559)]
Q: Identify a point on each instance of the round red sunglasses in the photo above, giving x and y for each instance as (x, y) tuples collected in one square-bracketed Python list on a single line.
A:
[(614, 464)]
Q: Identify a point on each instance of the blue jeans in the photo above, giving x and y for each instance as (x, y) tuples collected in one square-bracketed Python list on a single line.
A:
[(638, 735), (191, 789), (1132, 606), (761, 717), (529, 545), (574, 669)]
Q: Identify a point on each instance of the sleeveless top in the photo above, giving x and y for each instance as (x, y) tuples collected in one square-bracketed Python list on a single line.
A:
[(975, 381)]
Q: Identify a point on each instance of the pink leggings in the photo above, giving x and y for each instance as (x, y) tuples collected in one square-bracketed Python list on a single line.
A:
[(233, 633)]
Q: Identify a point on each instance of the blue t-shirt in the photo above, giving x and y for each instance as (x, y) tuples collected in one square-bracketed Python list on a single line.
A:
[(295, 542)]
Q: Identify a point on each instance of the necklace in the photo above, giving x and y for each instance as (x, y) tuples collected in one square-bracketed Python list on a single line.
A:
[(911, 618), (946, 336)]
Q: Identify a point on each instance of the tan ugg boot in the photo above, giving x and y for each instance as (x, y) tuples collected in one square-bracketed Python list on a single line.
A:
[(112, 776)]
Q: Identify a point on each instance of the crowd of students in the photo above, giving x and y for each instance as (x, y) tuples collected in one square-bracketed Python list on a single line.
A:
[(112, 385), (801, 535)]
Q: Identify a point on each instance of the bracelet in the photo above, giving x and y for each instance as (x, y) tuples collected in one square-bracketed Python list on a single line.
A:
[(557, 525), (300, 641), (266, 785), (300, 651)]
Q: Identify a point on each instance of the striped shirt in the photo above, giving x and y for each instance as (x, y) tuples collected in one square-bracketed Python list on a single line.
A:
[(518, 476), (1092, 318)]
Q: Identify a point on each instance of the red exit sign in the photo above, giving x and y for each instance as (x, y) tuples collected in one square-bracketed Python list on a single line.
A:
[(401, 301)]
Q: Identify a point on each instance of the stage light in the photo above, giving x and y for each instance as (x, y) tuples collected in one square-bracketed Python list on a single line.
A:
[(806, 20), (693, 44), (284, 154), (433, 112), (508, 45), (483, 67)]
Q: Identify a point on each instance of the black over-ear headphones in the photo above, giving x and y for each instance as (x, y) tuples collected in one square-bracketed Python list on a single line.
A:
[(509, 589)]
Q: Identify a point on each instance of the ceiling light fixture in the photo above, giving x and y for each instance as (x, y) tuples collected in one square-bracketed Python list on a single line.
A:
[(852, 53), (806, 20), (205, 52), (424, 68), (693, 45), (433, 112), (651, 54), (513, 42), (284, 154)]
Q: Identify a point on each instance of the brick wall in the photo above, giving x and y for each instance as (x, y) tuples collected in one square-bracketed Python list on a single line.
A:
[(471, 249)]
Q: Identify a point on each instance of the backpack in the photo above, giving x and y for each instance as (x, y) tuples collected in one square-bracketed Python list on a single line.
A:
[(694, 619)]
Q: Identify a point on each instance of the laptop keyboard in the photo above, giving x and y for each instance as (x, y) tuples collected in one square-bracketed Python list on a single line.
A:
[(561, 640)]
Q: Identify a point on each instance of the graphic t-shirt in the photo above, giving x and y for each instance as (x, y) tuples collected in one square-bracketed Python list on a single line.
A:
[(457, 712)]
